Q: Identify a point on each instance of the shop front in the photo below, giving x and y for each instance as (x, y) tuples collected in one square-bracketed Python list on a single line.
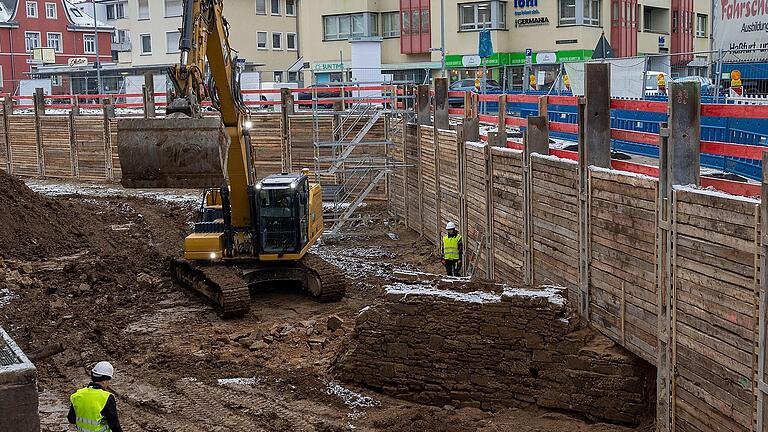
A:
[(514, 70)]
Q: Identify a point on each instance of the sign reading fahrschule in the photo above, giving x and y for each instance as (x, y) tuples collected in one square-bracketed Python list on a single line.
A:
[(741, 25)]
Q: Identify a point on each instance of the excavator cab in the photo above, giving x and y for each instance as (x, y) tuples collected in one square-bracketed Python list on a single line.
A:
[(283, 215)]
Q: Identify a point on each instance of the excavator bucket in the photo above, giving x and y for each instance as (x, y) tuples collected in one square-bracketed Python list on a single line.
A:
[(180, 152)]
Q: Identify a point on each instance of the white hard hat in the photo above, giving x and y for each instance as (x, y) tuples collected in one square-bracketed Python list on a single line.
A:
[(103, 369), (450, 225)]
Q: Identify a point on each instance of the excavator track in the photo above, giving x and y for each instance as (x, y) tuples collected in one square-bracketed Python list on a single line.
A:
[(221, 284), (325, 281)]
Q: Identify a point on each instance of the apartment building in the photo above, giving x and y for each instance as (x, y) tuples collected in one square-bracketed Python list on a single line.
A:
[(542, 33), (58, 25), (146, 38)]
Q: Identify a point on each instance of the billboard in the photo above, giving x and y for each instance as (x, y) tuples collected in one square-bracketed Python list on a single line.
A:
[(741, 25)]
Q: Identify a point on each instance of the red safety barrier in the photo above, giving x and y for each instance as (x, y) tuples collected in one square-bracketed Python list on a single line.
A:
[(732, 187), (488, 118), (562, 100), (456, 94), (456, 111), (564, 127), (639, 105), (522, 98), (633, 136), (648, 170), (565, 154), (735, 150), (515, 121), (488, 98), (737, 111)]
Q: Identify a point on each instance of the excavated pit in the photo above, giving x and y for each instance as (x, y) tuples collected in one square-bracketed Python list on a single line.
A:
[(84, 277)]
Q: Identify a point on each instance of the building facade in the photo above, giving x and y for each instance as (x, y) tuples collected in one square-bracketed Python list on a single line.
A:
[(57, 24), (535, 34), (146, 38)]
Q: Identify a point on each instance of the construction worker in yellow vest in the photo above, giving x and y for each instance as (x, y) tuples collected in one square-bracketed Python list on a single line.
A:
[(452, 250), (93, 408)]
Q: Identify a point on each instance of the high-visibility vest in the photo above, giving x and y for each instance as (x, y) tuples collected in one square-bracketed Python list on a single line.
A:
[(451, 247), (88, 403)]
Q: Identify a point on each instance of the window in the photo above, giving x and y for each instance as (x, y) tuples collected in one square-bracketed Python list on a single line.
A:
[(406, 23), (701, 25), (143, 9), (293, 76), (278, 76), (32, 9), (290, 7), (261, 40), (391, 23), (473, 16), (567, 12), (261, 7), (173, 8), (116, 11), (425, 20), (277, 40), (120, 36), (146, 44), (89, 44), (50, 10), (592, 12), (290, 41), (54, 41), (55, 80), (76, 12), (31, 40), (338, 27), (172, 42), (275, 7)]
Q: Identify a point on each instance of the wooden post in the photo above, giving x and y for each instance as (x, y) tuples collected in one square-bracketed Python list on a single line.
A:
[(423, 116), (73, 145), (684, 133), (441, 104), (468, 104), (461, 164), (7, 112), (149, 95), (597, 121), (39, 104), (287, 109), (489, 243), (527, 269), (664, 286), (537, 136), (501, 136), (75, 105), (762, 347), (584, 246), (108, 110), (543, 103)]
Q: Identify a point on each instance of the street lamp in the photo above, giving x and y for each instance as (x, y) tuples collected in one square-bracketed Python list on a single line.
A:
[(98, 60)]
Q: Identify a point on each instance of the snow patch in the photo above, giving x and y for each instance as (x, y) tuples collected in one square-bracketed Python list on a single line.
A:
[(359, 262), (7, 296), (239, 381), (622, 173), (422, 289), (55, 188), (552, 294), (476, 144), (557, 159), (353, 400), (715, 193)]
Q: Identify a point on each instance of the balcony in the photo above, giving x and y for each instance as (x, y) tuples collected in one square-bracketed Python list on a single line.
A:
[(121, 46)]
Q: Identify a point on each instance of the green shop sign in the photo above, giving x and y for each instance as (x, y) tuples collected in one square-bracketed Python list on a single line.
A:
[(516, 58)]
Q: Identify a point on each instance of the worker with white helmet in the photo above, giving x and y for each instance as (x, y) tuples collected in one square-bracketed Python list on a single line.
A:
[(94, 408), (452, 250)]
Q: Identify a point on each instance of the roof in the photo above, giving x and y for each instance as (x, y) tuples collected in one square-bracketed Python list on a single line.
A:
[(81, 19), (7, 7), (279, 179)]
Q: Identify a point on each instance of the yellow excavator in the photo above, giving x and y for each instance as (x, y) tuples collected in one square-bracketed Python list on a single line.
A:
[(248, 233)]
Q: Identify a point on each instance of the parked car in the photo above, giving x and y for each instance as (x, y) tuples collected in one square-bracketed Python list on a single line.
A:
[(707, 86), (491, 87), (322, 94)]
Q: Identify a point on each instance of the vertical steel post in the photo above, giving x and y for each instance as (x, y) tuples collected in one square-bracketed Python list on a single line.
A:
[(685, 133), (537, 136), (423, 116), (149, 95), (441, 104), (664, 286), (762, 351), (597, 118), (501, 136)]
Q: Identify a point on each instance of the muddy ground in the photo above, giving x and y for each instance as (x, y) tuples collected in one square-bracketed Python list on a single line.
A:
[(88, 270)]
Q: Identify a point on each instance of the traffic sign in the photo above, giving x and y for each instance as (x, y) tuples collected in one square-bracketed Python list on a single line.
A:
[(528, 56)]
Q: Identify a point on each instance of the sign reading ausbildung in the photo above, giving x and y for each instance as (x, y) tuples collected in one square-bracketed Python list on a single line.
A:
[(741, 25)]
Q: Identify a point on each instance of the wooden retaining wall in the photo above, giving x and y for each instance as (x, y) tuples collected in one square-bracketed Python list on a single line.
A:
[(85, 147), (714, 251)]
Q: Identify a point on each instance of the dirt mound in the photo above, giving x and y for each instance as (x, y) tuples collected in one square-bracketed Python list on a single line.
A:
[(37, 226)]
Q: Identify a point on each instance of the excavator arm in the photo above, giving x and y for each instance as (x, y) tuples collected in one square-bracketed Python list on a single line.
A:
[(185, 149)]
